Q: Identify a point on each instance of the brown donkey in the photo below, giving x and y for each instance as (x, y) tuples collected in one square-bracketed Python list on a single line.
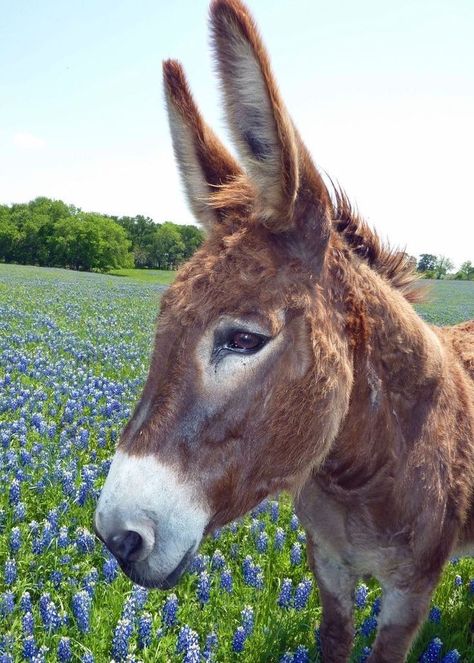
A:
[(288, 357)]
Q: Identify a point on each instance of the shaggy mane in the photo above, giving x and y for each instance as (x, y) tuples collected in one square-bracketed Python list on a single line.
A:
[(394, 265)]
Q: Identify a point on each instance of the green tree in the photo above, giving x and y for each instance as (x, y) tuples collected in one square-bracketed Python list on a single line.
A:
[(192, 237), (8, 235), (426, 262), (168, 247), (443, 266), (466, 271)]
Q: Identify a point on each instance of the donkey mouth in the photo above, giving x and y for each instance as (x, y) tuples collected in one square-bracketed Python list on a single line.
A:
[(168, 582)]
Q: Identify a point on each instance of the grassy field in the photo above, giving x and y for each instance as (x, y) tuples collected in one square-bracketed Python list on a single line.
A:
[(158, 276), (73, 356)]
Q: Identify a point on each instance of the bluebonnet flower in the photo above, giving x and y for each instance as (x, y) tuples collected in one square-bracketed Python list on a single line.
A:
[(81, 606), (294, 522), (87, 657), (63, 537), (301, 655), (377, 605), (84, 540), (19, 512), (302, 592), (90, 580), (226, 580), (144, 630), (140, 596), (262, 542), (29, 648), (280, 537), (234, 550), (121, 639), (217, 560), (253, 575), (284, 600), (286, 658), (248, 620), (471, 586), (28, 623), (368, 626), (435, 615), (453, 656), (186, 639), (56, 578), (15, 540), (5, 657), (170, 609), (238, 639), (14, 493), (10, 572), (457, 581), (198, 563), (49, 613), (203, 588), (211, 643), (25, 602), (295, 554), (110, 569), (361, 596), (129, 608), (366, 652), (64, 650), (274, 511), (432, 652)]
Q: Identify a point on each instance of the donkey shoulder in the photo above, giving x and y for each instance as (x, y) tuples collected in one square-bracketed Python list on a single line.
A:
[(461, 339)]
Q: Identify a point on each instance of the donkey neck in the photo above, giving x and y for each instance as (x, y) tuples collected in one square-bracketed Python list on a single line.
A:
[(397, 370)]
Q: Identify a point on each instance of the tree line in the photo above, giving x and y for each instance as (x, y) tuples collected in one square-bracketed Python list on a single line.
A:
[(51, 233), (440, 267)]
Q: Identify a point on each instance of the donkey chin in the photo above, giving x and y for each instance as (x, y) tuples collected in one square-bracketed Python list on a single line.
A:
[(151, 520)]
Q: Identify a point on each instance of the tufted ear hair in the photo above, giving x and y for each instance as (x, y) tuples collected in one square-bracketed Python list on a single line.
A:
[(290, 191), (203, 161)]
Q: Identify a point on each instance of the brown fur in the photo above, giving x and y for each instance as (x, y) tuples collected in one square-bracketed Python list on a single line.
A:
[(359, 408)]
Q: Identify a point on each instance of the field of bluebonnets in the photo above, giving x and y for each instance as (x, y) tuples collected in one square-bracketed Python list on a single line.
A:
[(73, 356)]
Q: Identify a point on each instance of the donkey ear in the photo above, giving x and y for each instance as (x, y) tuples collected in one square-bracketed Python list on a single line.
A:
[(267, 142), (203, 161)]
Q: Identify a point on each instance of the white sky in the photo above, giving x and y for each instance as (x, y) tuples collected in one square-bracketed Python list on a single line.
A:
[(382, 93)]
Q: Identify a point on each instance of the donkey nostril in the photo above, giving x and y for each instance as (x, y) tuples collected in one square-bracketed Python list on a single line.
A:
[(126, 545)]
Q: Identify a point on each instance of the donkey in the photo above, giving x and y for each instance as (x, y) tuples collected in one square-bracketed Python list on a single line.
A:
[(288, 357)]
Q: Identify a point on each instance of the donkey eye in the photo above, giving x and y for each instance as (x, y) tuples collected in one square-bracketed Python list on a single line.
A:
[(243, 341)]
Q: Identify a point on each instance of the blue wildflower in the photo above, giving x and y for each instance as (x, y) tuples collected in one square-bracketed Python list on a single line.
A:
[(238, 639), (15, 540), (110, 569), (284, 600), (81, 606), (170, 609), (368, 626), (29, 648), (301, 655), (295, 553), (453, 656), (274, 511), (211, 643), (294, 522), (144, 630), (187, 638), (121, 639), (87, 657), (457, 581), (226, 580), (10, 572), (286, 658), (432, 652), (14, 493), (64, 650), (302, 592), (28, 623), (203, 588), (25, 602), (248, 620), (217, 560), (376, 607), (361, 596), (262, 542), (280, 537), (435, 615), (366, 652)]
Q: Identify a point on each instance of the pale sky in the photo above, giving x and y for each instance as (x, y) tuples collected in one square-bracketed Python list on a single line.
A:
[(381, 91)]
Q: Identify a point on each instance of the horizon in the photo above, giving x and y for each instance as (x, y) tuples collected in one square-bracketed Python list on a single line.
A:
[(383, 98)]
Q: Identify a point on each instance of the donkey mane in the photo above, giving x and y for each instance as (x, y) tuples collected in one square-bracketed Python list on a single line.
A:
[(392, 264)]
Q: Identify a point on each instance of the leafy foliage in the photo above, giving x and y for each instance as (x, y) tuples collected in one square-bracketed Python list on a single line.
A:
[(50, 233)]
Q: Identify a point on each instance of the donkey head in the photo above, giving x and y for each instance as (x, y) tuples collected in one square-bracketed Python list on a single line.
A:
[(250, 373)]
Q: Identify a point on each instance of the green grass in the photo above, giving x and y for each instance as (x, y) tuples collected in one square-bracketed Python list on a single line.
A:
[(75, 347), (160, 276)]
